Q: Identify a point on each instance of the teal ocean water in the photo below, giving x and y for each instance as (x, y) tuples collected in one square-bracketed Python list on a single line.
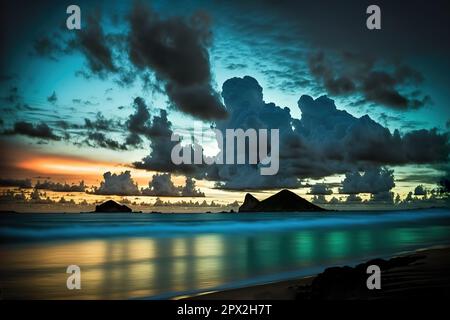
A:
[(124, 256)]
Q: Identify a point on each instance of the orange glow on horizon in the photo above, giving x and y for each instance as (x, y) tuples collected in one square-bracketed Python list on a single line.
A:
[(56, 165), (79, 169)]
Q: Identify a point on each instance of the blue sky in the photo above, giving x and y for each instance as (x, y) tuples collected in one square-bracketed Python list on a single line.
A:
[(274, 45)]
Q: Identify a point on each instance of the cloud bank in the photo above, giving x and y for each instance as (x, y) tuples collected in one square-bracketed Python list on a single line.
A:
[(118, 184), (176, 49)]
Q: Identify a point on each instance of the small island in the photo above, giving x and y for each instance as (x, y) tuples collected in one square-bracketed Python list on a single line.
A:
[(285, 200), (111, 206)]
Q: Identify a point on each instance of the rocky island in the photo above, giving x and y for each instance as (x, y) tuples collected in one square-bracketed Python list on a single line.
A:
[(112, 207), (284, 200)]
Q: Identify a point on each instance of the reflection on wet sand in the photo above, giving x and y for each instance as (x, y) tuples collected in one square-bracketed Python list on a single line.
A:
[(145, 267)]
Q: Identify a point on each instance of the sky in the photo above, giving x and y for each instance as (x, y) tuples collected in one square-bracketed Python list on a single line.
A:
[(363, 114)]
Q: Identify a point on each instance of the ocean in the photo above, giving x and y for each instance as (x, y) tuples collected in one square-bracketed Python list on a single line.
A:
[(158, 256)]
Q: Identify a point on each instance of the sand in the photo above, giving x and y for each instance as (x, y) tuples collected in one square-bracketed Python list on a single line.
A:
[(421, 274)]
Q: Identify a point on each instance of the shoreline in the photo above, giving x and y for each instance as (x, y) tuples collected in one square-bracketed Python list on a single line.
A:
[(419, 273), (231, 211)]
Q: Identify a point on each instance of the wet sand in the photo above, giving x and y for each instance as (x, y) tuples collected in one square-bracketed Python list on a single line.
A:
[(423, 274)]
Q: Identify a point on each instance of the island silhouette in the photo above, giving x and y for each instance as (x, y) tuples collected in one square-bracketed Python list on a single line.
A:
[(112, 206), (285, 200)]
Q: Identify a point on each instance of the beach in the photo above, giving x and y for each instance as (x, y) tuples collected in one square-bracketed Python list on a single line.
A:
[(157, 256), (420, 274)]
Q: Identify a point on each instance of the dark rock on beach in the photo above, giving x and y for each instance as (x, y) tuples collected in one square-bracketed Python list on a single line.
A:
[(284, 200), (413, 276)]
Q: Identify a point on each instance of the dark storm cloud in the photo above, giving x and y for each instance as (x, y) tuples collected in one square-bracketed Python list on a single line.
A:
[(50, 47), (359, 140), (161, 146), (12, 95), (101, 123), (323, 71), (99, 139), (6, 77), (159, 133), (161, 185), (320, 189), (190, 190), (282, 32), (138, 123), (243, 98), (353, 74), (444, 184), (65, 125), (52, 98), (95, 132), (60, 187), (375, 180), (176, 49), (420, 191), (84, 102), (382, 87), (41, 130), (21, 183), (92, 41), (325, 141), (118, 184), (332, 25)]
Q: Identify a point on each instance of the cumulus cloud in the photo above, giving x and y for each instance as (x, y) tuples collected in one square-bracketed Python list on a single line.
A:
[(319, 199), (161, 185), (385, 197), (320, 189), (190, 190), (122, 184), (353, 198), (176, 49), (374, 180), (343, 139), (420, 191), (325, 141), (159, 131), (61, 187), (118, 184), (444, 183), (247, 110)]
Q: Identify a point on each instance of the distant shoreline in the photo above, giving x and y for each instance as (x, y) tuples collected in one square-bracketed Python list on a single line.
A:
[(221, 212)]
